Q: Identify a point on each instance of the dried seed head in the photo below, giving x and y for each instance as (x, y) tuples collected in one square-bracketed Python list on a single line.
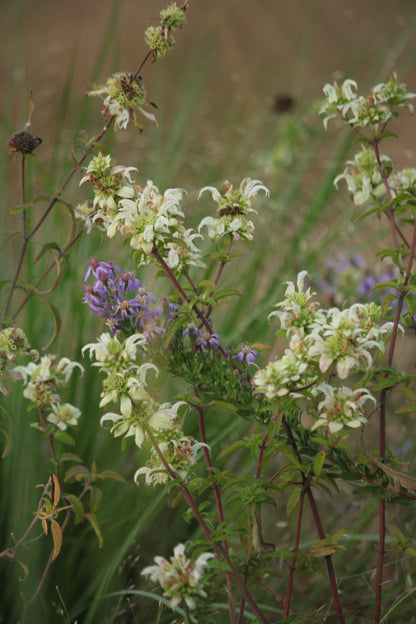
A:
[(23, 142)]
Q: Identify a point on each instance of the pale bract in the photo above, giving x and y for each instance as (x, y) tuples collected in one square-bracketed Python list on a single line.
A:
[(341, 407), (181, 578)]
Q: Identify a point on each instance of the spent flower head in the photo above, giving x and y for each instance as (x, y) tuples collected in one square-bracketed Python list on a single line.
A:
[(181, 578), (43, 380), (124, 94)]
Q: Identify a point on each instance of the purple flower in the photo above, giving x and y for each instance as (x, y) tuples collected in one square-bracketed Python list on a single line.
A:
[(247, 354), (116, 295), (207, 340), (191, 330)]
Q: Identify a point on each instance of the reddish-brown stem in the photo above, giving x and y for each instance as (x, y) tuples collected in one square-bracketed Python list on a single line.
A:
[(295, 549), (216, 546), (181, 291), (218, 500), (277, 596), (139, 69), (318, 524), (45, 571), (382, 445)]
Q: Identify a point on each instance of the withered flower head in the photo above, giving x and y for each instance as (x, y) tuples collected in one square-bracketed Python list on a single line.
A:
[(23, 141)]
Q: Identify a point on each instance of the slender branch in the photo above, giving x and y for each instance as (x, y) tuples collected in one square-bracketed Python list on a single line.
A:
[(292, 568), (28, 236), (216, 546), (318, 524), (12, 552), (45, 571), (218, 501), (382, 443), (179, 288), (277, 596)]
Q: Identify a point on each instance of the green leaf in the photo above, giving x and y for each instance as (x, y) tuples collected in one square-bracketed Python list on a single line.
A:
[(94, 523), (96, 495), (66, 438), (78, 508), (110, 474), (79, 473), (319, 462), (293, 501)]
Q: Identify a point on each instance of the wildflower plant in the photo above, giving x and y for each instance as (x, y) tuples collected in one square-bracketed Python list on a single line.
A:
[(305, 409)]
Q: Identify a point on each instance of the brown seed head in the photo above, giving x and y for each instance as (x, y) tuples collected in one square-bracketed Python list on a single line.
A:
[(23, 142)]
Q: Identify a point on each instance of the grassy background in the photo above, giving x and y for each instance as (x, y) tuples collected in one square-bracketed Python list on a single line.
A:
[(215, 99)]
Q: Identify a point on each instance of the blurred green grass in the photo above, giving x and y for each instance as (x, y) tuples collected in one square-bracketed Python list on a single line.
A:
[(302, 224)]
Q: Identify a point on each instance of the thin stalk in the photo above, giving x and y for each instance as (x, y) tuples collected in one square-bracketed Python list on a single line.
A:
[(181, 291), (48, 270), (24, 243), (382, 447), (28, 236), (216, 546), (292, 568), (218, 502), (318, 524)]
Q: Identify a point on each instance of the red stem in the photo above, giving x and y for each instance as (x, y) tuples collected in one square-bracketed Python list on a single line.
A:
[(318, 524), (216, 546), (218, 501)]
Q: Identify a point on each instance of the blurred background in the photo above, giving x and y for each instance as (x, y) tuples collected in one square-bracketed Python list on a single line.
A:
[(238, 97)]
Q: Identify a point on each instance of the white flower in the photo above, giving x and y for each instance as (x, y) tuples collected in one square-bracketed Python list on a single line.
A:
[(341, 407), (180, 453), (278, 378), (215, 227), (64, 415), (180, 578), (112, 355)]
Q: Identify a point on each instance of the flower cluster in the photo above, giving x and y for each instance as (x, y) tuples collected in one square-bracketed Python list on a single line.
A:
[(123, 95), (111, 183), (125, 383), (181, 579), (42, 384), (374, 110), (121, 298), (13, 342), (233, 207), (341, 406), (180, 453), (323, 341), (160, 38), (363, 175)]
